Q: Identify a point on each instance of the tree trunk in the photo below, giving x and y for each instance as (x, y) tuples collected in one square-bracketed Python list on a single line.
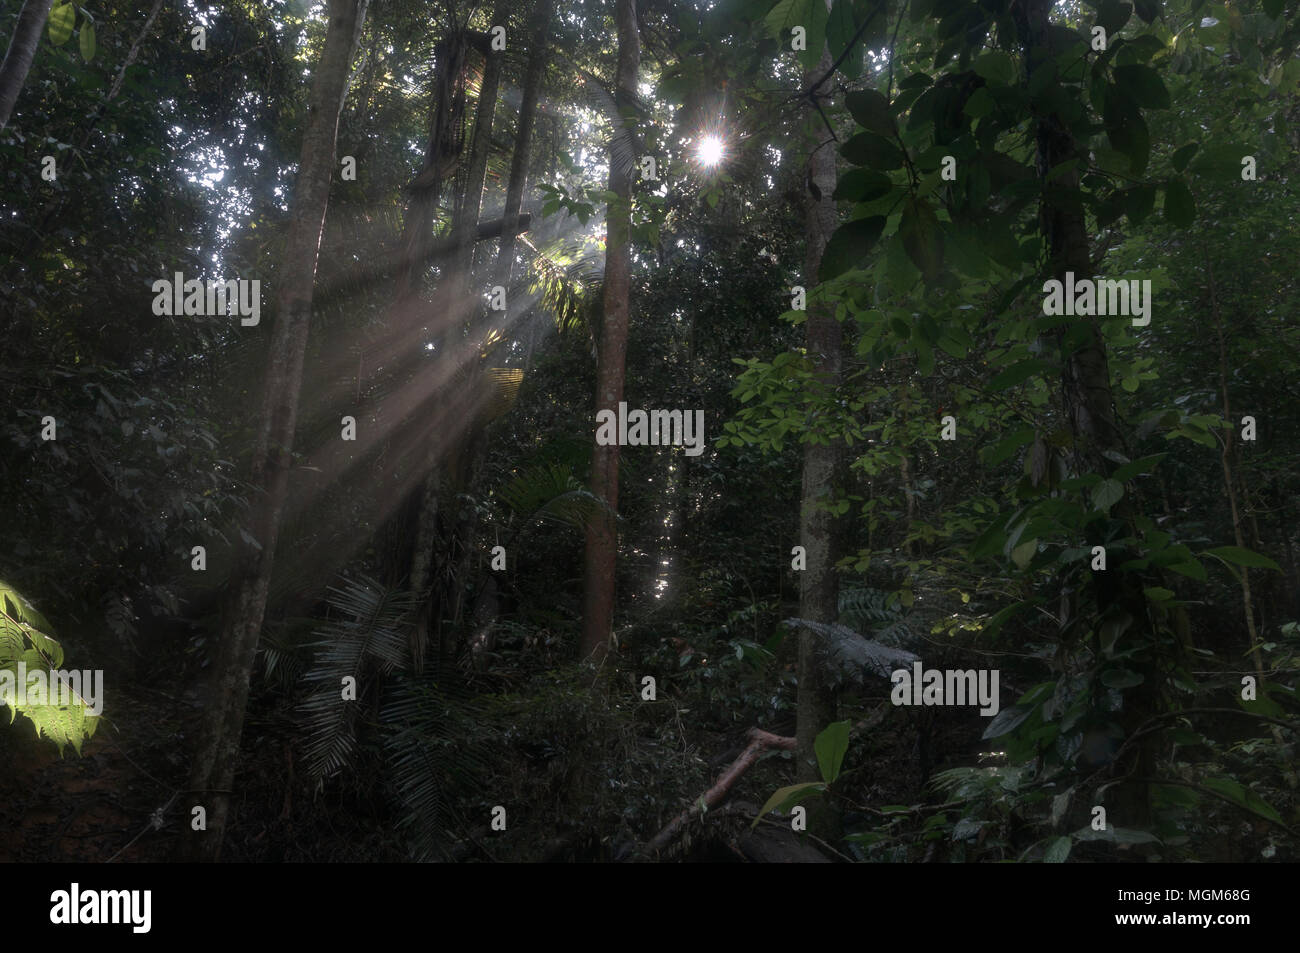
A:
[(22, 50), (1088, 401), (818, 583), (538, 52), (602, 532), (213, 771)]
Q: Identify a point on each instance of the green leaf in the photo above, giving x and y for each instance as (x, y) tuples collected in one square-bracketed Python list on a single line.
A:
[(1243, 557), (87, 41), (862, 185), (1191, 569), (1025, 552), (1126, 129), (1106, 494), (814, 23), (830, 746), (1180, 207), (1182, 156), (1148, 10), (840, 28), (1008, 445), (789, 796), (62, 19), (921, 236), (996, 67), (849, 246), (1058, 850), (1138, 201), (1017, 373), (1273, 8), (1143, 85), (785, 15), (870, 110), (1006, 720), (1112, 15), (1128, 471), (869, 149), (1242, 797)]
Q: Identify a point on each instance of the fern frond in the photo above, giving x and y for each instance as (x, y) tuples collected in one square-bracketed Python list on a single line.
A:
[(850, 656)]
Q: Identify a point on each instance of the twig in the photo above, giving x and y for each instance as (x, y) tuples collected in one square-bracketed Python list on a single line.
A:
[(759, 742)]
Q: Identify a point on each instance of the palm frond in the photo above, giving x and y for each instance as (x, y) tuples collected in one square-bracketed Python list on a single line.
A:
[(368, 623), (432, 734), (550, 492)]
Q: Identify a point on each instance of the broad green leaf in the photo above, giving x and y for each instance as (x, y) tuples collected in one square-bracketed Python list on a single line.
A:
[(1112, 15), (62, 19), (1017, 373), (1126, 129), (814, 23), (862, 185), (1008, 445), (1143, 85), (1058, 850), (849, 246), (789, 796), (1128, 471), (830, 746), (785, 15), (996, 67), (1243, 557), (1025, 552), (1242, 797), (873, 151), (1180, 207), (870, 110), (1106, 494), (1148, 10), (840, 29), (87, 41), (1006, 720), (921, 236), (1191, 569), (1183, 155), (1138, 201)]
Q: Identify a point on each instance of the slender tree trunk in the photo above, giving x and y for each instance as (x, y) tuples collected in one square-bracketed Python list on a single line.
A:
[(417, 240), (213, 772), (602, 533), (1228, 441), (1088, 402), (818, 532), (22, 50), (538, 52), (464, 308)]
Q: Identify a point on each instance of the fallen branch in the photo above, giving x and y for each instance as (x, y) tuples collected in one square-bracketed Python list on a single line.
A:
[(759, 742)]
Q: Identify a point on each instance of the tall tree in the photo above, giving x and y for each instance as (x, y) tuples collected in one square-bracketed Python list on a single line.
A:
[(22, 49), (1085, 386), (538, 50), (818, 583), (213, 770), (602, 533)]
